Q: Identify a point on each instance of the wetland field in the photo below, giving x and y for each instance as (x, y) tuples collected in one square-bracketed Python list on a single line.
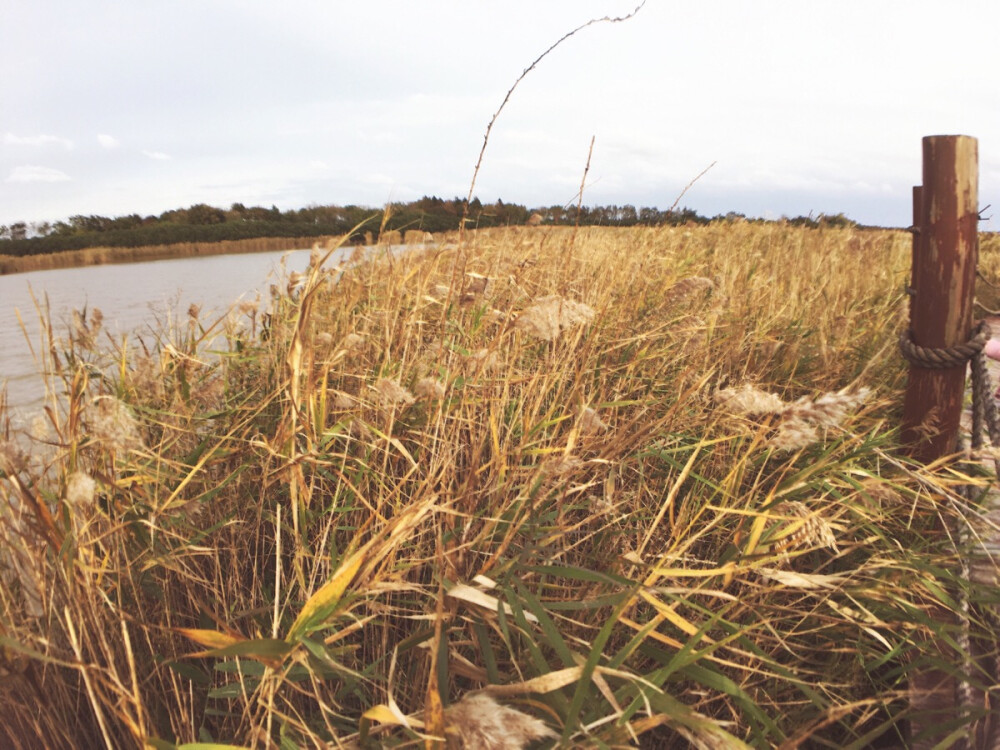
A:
[(530, 486)]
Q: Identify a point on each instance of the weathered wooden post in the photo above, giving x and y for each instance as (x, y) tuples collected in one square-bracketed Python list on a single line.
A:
[(918, 202), (945, 250), (943, 281)]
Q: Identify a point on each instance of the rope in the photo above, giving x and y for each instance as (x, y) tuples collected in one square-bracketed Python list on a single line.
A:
[(940, 359), (985, 420)]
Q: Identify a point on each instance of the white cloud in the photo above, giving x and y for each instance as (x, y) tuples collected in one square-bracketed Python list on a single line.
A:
[(159, 155), (10, 139), (377, 178), (32, 173), (107, 141)]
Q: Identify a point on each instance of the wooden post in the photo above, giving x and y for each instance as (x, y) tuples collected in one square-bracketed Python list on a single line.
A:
[(944, 275), (945, 249), (918, 202)]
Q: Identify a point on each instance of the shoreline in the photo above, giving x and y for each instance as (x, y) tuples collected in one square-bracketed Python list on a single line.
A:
[(98, 256)]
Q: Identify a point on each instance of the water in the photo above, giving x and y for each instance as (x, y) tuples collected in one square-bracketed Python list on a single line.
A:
[(131, 296)]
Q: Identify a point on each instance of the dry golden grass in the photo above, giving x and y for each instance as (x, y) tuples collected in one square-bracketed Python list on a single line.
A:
[(499, 468)]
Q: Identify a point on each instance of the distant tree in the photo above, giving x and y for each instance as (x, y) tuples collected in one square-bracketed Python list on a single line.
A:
[(201, 214), (82, 224), (837, 220), (18, 231), (125, 222), (174, 216)]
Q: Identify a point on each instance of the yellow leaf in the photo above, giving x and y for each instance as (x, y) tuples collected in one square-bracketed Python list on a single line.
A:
[(210, 638), (756, 531), (322, 603), (384, 714), (668, 613), (545, 683)]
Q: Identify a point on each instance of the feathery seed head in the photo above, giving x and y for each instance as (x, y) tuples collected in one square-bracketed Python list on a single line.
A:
[(814, 531), (793, 435), (112, 423), (802, 420), (80, 489), (40, 429), (747, 399), (344, 401), (830, 409), (391, 393), (590, 421), (478, 722), (12, 458), (353, 342), (485, 360), (429, 388), (549, 316)]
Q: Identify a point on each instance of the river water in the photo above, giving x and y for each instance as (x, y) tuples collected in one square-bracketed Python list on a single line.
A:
[(132, 297)]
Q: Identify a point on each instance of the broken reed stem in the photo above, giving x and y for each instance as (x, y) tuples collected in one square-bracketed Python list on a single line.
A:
[(579, 208), (510, 91), (687, 187)]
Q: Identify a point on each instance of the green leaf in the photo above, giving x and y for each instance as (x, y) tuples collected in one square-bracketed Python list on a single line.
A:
[(267, 650), (551, 632), (189, 672)]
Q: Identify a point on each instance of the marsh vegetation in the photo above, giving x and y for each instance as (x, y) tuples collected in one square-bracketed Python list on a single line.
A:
[(592, 487)]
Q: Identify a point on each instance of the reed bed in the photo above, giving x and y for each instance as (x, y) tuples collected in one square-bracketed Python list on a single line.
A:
[(97, 256), (540, 487)]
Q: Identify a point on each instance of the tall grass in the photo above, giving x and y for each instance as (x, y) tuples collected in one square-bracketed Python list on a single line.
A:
[(536, 486)]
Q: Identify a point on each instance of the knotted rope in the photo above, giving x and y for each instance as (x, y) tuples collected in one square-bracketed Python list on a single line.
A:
[(940, 359), (985, 420)]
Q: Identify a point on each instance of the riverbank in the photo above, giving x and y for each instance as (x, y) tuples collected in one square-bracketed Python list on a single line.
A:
[(99, 256)]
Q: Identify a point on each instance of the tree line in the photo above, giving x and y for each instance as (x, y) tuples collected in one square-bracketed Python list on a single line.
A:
[(204, 223)]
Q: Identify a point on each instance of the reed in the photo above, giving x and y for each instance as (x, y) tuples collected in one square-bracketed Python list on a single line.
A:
[(529, 487)]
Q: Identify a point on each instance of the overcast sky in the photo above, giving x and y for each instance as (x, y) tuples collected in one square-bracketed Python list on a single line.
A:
[(112, 107)]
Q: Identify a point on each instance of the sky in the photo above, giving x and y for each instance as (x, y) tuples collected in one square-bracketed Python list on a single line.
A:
[(802, 107)]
